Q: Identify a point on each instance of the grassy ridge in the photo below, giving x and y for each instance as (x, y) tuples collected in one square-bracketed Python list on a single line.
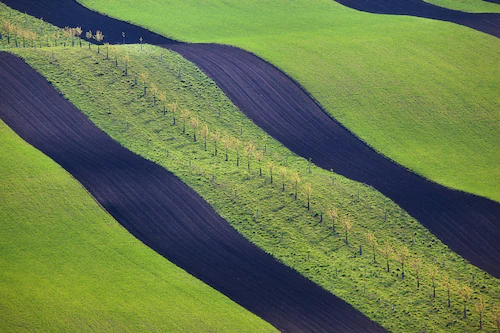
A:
[(470, 6), (284, 227), (67, 266), (422, 92)]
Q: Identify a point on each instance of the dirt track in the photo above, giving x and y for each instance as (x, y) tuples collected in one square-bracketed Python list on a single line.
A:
[(468, 224), (485, 22), (164, 213)]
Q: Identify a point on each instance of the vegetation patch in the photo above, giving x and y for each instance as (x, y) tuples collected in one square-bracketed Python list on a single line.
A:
[(67, 266), (422, 92), (136, 93)]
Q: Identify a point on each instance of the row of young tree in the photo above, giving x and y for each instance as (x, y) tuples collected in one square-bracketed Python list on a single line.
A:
[(19, 36), (402, 256), (60, 37), (248, 153)]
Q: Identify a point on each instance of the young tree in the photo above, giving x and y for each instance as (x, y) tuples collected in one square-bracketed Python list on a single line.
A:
[(173, 108), (227, 143), (433, 275), (401, 257), (98, 37), (465, 293), (259, 155), (162, 96), (386, 252), (447, 284), (107, 50), (282, 172), (67, 34), (347, 223), (143, 77), (71, 34), (296, 181), (184, 116), (480, 307), (22, 33), (373, 243), (7, 26), (154, 92), (496, 319), (308, 192), (248, 150), (237, 146), (14, 32), (216, 138), (271, 166), (78, 33), (205, 133), (126, 60), (333, 214), (56, 36), (89, 36), (114, 50), (416, 267), (32, 37), (194, 124)]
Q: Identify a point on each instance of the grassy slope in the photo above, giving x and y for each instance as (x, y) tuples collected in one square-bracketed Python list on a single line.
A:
[(284, 228), (470, 6), (422, 92), (67, 266)]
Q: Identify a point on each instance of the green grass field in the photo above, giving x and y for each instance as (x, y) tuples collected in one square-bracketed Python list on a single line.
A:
[(470, 6), (284, 227), (67, 266), (422, 92)]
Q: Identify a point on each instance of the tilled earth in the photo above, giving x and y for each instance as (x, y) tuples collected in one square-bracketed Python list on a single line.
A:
[(468, 224), (485, 22), (164, 213)]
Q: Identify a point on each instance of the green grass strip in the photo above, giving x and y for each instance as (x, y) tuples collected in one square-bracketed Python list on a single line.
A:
[(261, 211), (67, 266), (422, 92)]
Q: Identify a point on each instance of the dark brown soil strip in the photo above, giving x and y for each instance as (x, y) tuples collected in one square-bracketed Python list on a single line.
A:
[(485, 22), (164, 213), (493, 1), (468, 224)]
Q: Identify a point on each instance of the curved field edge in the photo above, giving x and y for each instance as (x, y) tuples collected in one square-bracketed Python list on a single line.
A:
[(468, 6), (164, 213), (69, 266), (151, 135), (427, 103)]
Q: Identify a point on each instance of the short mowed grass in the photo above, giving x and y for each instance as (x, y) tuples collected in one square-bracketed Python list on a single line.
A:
[(261, 211), (470, 6), (68, 266), (422, 92)]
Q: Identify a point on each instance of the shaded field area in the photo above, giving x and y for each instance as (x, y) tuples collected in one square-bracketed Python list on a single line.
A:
[(431, 82), (283, 226), (469, 6), (485, 22), (68, 266), (165, 214), (469, 225)]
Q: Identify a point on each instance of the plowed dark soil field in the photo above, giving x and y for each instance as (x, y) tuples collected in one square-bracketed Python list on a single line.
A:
[(468, 224), (485, 22), (164, 213)]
